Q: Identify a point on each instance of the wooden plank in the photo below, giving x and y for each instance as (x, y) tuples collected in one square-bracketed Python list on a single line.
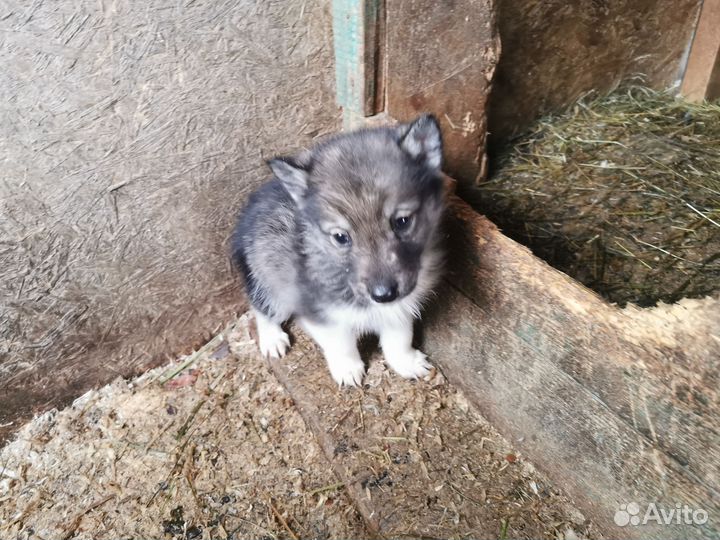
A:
[(713, 91), (356, 36), (555, 51), (404, 58), (703, 67), (617, 406), (441, 57)]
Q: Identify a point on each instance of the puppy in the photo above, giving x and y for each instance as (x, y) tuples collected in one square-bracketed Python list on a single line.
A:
[(346, 239)]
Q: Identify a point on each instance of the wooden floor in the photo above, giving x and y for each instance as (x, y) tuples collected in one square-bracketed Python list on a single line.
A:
[(220, 444)]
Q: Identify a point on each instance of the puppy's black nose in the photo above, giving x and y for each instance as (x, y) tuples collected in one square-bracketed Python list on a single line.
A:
[(384, 292)]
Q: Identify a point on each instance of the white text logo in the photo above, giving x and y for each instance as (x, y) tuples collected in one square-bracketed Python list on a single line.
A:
[(681, 514)]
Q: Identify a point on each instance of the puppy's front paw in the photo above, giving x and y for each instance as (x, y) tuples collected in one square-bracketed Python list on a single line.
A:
[(275, 345), (410, 365), (272, 340), (348, 372)]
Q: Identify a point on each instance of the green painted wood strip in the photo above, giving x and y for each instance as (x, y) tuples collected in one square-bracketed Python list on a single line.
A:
[(355, 41)]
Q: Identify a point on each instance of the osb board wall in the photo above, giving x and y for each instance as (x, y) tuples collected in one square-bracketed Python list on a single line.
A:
[(555, 50), (130, 133)]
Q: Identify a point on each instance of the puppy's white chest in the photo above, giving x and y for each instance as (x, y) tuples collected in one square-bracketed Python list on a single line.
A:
[(371, 320)]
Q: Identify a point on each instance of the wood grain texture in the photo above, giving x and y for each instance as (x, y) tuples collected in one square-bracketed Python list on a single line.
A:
[(556, 50), (703, 65), (441, 57), (615, 405), (130, 134)]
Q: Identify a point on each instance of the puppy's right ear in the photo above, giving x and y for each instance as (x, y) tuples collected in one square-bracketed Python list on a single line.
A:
[(422, 140), (292, 174)]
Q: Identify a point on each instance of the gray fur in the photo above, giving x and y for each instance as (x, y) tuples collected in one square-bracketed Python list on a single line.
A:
[(354, 183)]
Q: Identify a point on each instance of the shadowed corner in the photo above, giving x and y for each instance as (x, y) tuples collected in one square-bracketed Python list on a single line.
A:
[(458, 233)]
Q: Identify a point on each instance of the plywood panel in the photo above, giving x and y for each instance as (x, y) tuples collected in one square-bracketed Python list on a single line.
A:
[(130, 134)]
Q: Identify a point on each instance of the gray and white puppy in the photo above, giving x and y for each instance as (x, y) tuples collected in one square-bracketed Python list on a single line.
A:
[(345, 238)]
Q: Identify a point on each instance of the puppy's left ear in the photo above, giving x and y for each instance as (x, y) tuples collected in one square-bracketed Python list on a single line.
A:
[(423, 141)]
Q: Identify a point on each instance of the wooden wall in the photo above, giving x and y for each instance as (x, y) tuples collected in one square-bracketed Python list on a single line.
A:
[(553, 51)]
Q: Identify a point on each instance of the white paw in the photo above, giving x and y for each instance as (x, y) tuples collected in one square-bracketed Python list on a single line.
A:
[(272, 340), (348, 372), (410, 365), (275, 345)]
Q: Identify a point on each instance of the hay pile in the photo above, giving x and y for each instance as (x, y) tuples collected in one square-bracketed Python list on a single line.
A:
[(620, 192)]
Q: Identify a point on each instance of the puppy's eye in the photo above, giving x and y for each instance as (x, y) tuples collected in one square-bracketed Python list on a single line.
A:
[(402, 223), (341, 238)]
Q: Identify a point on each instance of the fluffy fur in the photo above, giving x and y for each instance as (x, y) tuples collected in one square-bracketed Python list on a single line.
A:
[(345, 238)]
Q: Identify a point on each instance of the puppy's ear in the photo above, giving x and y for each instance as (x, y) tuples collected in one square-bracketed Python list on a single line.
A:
[(423, 141), (292, 173)]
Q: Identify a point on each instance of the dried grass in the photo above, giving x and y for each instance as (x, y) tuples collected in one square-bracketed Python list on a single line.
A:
[(621, 192)]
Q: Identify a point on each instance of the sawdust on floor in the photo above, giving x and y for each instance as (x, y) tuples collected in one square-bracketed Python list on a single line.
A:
[(418, 459), (214, 446), (218, 451)]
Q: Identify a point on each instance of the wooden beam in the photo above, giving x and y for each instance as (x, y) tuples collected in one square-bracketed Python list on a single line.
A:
[(616, 406), (702, 75), (405, 58), (441, 58)]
